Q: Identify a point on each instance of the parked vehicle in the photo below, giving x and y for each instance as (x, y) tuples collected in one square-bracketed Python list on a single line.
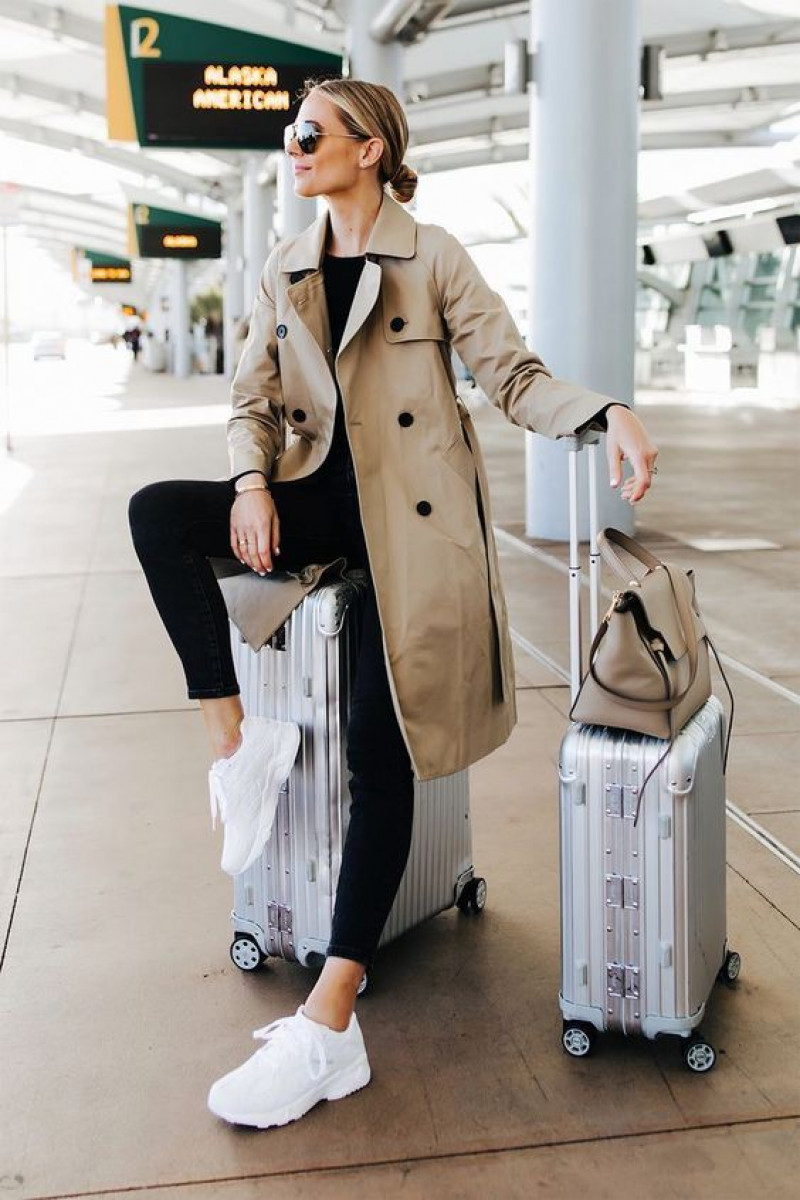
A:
[(48, 343)]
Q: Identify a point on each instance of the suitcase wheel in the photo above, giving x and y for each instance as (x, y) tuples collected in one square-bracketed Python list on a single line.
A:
[(729, 971), (246, 952), (698, 1054), (578, 1038), (473, 896)]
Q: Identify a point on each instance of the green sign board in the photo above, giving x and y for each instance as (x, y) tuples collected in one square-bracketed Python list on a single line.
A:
[(172, 81), (92, 266), (163, 233)]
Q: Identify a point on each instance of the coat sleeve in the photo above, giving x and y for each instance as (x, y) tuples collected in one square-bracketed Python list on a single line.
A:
[(255, 427), (487, 340)]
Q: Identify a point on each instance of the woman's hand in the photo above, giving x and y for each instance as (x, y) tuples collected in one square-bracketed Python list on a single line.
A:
[(627, 438), (255, 529)]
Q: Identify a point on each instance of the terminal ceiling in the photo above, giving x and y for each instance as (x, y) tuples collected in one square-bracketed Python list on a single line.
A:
[(731, 78)]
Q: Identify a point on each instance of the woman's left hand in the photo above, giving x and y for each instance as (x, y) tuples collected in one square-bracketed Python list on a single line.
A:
[(628, 439)]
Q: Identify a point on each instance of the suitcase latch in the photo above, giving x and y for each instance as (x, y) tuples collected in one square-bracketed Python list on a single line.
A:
[(623, 981), (622, 891), (621, 800), (279, 918)]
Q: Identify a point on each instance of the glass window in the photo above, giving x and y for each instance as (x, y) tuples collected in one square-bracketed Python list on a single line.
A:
[(759, 293), (767, 265)]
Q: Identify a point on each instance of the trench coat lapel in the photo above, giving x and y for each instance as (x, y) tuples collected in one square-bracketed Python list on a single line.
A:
[(393, 234), (307, 298), (306, 295), (366, 294)]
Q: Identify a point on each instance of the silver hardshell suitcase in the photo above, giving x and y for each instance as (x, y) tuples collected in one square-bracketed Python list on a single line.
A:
[(643, 925), (283, 904)]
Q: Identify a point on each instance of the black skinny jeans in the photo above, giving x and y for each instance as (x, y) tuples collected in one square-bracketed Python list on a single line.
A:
[(176, 526)]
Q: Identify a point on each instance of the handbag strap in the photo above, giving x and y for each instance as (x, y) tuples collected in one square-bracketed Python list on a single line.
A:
[(687, 627), (629, 701), (671, 743), (611, 541), (733, 706)]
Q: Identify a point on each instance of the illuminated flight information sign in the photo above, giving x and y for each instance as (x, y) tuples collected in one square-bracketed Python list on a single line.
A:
[(110, 274), (174, 81), (92, 266), (163, 233), (219, 105)]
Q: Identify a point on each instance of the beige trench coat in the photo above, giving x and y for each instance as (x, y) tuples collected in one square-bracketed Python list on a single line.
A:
[(421, 479)]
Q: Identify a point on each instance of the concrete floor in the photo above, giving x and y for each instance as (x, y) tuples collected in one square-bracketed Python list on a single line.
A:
[(118, 1003)]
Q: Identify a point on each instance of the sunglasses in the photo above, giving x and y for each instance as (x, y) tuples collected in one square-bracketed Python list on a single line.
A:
[(306, 134)]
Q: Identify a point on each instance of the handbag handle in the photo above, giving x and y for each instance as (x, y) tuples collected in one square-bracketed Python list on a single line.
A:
[(611, 541)]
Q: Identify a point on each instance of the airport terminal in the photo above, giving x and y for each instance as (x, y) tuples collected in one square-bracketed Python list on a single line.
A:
[(586, 242)]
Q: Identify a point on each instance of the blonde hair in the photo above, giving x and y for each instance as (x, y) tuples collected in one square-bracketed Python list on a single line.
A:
[(372, 110)]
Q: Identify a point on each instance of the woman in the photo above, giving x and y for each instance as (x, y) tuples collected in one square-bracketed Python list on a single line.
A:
[(349, 344)]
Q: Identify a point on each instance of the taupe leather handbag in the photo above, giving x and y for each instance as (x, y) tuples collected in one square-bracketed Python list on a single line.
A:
[(648, 664)]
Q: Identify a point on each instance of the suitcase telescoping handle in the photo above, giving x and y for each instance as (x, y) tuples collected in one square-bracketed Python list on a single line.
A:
[(574, 445)]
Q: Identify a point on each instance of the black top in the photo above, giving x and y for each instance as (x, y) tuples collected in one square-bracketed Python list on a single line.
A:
[(341, 276)]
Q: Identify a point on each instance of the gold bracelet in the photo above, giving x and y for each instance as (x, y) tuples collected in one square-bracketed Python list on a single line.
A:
[(252, 487)]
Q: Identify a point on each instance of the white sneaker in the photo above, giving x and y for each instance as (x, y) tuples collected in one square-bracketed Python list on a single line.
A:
[(302, 1063), (245, 788)]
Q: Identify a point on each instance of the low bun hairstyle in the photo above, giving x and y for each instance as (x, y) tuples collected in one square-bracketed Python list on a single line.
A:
[(372, 110), (403, 183)]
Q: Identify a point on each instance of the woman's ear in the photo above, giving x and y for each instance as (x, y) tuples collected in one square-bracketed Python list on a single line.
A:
[(371, 152)]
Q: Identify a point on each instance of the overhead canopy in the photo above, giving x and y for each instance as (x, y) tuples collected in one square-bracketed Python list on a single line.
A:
[(731, 81)]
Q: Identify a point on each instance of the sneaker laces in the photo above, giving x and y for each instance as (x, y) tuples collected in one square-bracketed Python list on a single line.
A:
[(290, 1030)]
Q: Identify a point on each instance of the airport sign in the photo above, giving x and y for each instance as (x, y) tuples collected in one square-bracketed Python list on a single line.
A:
[(94, 266), (789, 227), (173, 81), (165, 233)]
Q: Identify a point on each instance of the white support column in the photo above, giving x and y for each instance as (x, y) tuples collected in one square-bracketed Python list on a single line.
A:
[(159, 303), (181, 356), (376, 62), (584, 143), (295, 213), (234, 306), (368, 59), (257, 216)]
